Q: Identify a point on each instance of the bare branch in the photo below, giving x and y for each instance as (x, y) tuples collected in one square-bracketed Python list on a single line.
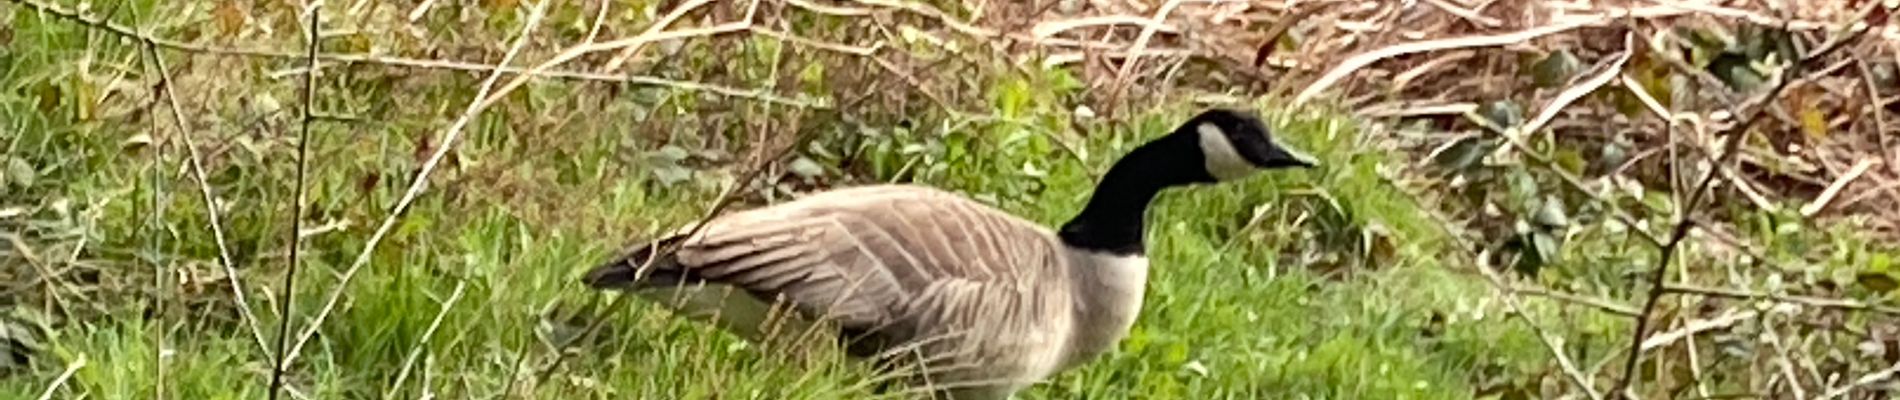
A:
[(1508, 293), (1864, 381), (1685, 221), (1836, 304), (212, 213), (60, 381), (652, 29), (282, 366), (1834, 189), (1600, 304), (114, 28), (1354, 63), (416, 185)]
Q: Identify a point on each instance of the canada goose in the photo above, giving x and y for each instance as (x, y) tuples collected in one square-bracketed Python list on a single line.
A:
[(991, 302)]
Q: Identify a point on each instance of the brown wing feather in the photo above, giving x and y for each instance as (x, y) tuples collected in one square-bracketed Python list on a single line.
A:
[(861, 256)]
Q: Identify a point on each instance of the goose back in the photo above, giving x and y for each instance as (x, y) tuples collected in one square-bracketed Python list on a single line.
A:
[(917, 275)]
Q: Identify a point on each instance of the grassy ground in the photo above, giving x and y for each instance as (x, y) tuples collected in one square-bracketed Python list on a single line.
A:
[(1328, 284)]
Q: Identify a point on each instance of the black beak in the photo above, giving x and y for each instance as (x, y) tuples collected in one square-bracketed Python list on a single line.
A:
[(1281, 156)]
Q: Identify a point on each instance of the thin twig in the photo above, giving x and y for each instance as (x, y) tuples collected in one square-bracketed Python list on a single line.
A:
[(160, 277), (652, 29), (1817, 302), (818, 44), (1877, 106), (1354, 63), (1834, 189), (1046, 29), (409, 362), (1509, 294), (1685, 220), (1782, 361), (1551, 342), (281, 366), (1863, 381), (728, 91), (577, 51), (1688, 330), (215, 217), (1122, 75), (420, 10), (925, 9), (60, 381), (1600, 304), (416, 186)]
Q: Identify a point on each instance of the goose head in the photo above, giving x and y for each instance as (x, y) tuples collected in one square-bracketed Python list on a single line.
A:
[(1235, 144)]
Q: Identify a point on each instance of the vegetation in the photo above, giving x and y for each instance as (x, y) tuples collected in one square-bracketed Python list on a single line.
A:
[(146, 255)]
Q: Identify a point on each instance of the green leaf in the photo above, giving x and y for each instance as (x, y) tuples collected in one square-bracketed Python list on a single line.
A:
[(813, 77), (1555, 69), (1610, 157), (1502, 114), (1734, 69), (19, 172), (1658, 202), (1877, 281), (1813, 122), (806, 168), (671, 175), (671, 153), (1552, 213), (1884, 76), (1547, 245), (1464, 153), (48, 96), (1524, 190), (1569, 160)]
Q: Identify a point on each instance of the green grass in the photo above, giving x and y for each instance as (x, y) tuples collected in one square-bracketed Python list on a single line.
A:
[(1233, 314), (550, 183), (1322, 284)]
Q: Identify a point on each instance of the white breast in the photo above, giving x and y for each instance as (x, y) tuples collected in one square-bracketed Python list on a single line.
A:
[(1108, 293)]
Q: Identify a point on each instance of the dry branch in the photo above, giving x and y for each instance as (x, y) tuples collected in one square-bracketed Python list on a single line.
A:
[(416, 186), (1509, 294), (60, 381), (116, 29), (1864, 381), (1600, 304), (652, 29), (1350, 65), (212, 214), (1834, 304), (1834, 189), (279, 366), (1727, 319), (1685, 220)]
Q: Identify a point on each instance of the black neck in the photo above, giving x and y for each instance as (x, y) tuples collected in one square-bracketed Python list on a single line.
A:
[(1112, 221)]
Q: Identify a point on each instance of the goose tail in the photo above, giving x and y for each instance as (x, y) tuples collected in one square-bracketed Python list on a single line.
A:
[(625, 272)]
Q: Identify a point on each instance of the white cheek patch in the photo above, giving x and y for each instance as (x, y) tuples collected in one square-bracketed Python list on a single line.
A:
[(1223, 161)]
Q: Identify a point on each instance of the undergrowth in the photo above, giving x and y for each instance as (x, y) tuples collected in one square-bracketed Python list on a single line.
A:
[(1335, 283)]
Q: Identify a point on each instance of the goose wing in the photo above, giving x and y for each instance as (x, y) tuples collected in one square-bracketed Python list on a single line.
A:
[(863, 257)]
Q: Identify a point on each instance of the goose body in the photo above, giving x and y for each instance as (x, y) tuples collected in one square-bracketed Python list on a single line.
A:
[(984, 302)]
